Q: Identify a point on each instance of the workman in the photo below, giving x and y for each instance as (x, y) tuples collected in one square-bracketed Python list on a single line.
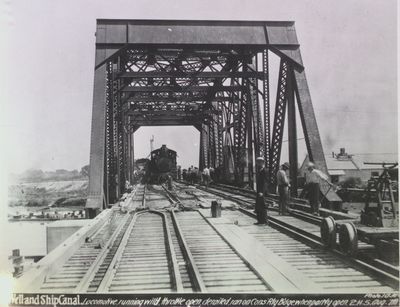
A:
[(191, 174), (314, 178), (261, 184), (206, 176), (283, 188), (212, 174)]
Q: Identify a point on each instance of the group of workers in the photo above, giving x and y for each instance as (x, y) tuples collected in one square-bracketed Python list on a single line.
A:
[(314, 178), (194, 175)]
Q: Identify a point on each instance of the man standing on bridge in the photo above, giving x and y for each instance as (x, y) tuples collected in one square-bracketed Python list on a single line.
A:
[(262, 183), (314, 178), (283, 188), (206, 176)]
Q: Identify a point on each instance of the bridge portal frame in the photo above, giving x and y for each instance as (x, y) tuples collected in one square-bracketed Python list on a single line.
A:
[(213, 75)]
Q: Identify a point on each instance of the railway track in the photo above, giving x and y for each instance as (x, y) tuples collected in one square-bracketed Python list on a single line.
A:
[(155, 251), (289, 235), (73, 273), (168, 252), (145, 260), (150, 247), (246, 199), (327, 270), (219, 266), (85, 269)]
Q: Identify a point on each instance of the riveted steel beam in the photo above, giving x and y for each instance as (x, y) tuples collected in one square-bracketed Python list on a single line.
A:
[(266, 105), (292, 136), (279, 120), (191, 74), (258, 132), (96, 196), (309, 122), (173, 99), (196, 73), (177, 89)]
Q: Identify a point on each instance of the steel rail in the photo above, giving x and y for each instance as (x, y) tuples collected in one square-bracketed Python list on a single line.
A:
[(105, 283), (110, 273), (84, 283), (308, 238), (101, 227), (177, 279), (144, 197), (191, 266), (92, 270), (235, 250), (174, 200), (381, 269), (194, 272), (171, 256)]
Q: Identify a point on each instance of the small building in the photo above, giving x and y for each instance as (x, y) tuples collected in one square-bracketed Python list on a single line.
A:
[(343, 165)]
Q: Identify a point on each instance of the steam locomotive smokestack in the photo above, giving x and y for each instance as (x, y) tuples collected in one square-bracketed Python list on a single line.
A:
[(151, 143)]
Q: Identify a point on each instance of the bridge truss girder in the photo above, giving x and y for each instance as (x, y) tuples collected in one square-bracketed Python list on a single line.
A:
[(146, 74)]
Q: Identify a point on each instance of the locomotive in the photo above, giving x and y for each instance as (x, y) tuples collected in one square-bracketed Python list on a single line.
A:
[(162, 164)]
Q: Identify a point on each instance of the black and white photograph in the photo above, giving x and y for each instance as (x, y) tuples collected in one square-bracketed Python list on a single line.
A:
[(199, 153)]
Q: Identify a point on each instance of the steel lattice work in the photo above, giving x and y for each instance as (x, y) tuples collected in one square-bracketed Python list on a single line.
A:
[(213, 75)]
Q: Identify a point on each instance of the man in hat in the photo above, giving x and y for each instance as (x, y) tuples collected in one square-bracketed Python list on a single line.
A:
[(283, 188), (206, 176), (261, 183), (314, 177)]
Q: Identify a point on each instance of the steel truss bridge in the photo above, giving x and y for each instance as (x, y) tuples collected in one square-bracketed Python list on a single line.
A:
[(213, 75)]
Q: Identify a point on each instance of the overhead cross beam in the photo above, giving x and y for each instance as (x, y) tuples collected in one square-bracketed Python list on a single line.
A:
[(179, 89), (191, 74), (175, 99)]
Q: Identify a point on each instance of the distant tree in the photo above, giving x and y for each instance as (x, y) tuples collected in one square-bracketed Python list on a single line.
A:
[(85, 171), (32, 174)]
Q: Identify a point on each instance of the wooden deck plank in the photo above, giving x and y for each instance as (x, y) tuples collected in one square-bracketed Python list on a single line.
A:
[(281, 276)]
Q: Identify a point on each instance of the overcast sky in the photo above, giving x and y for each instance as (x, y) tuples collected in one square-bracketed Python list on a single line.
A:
[(349, 49)]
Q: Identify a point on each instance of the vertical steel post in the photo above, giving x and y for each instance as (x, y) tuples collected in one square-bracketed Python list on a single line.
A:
[(132, 153), (279, 122), (108, 143), (220, 139), (240, 134), (292, 132), (116, 176), (97, 151), (249, 126), (206, 139), (201, 151), (128, 165), (212, 141), (267, 129), (203, 147), (252, 97)]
